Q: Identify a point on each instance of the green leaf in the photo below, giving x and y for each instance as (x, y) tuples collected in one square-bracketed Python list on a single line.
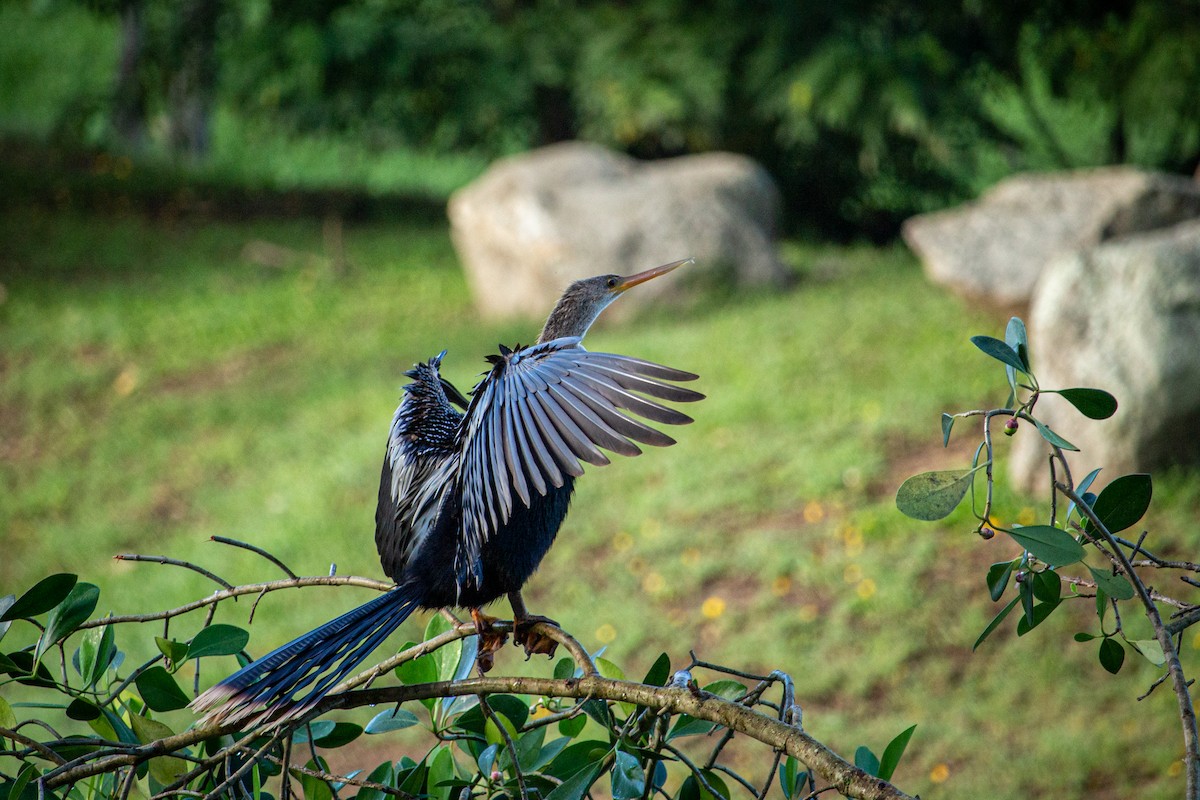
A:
[(1115, 586), (947, 425), (1038, 615), (164, 769), (1092, 403), (45, 595), (995, 623), (628, 780), (999, 350), (7, 718), (609, 670), (385, 775), (791, 780), (1047, 586), (893, 752), (997, 577), (422, 669), (1112, 655), (1123, 502), (1082, 490), (867, 761), (932, 496), (218, 640), (391, 720), (444, 658), (342, 734), (574, 787), (441, 772), (159, 690), (68, 615), (1151, 650), (1053, 546), (100, 647), (176, 652), (660, 671), (1083, 636), (1052, 437), (529, 748), (17, 788), (573, 727), (6, 602), (687, 725), (1016, 338), (564, 668), (83, 711)]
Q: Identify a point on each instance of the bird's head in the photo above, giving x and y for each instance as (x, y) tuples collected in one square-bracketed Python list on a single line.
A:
[(584, 299)]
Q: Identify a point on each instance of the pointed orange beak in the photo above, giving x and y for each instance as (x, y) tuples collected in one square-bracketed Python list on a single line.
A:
[(642, 277)]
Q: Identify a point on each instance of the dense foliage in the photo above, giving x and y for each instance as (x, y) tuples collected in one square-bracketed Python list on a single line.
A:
[(865, 112)]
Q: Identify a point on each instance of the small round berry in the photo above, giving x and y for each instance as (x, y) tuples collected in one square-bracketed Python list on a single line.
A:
[(986, 533), (1010, 427)]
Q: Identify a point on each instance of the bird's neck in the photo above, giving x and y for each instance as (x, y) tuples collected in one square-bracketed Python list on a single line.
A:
[(569, 318)]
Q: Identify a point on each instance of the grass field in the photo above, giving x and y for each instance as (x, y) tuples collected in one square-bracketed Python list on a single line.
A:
[(157, 389)]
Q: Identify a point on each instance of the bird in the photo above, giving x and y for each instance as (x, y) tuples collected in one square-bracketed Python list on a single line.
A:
[(472, 493)]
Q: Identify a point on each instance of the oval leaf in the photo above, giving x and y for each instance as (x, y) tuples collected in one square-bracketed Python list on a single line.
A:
[(218, 640), (1115, 586), (159, 690), (867, 761), (391, 720), (1112, 655), (999, 350), (1092, 403), (68, 615), (932, 496), (1151, 650), (1050, 545), (995, 623), (947, 426), (1123, 502), (342, 733), (997, 578), (1053, 438), (893, 752), (628, 780), (45, 595)]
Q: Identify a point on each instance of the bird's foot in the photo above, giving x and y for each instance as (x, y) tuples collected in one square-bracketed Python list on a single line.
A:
[(490, 640), (533, 642)]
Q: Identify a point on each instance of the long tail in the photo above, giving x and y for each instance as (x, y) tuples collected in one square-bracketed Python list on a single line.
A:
[(265, 690)]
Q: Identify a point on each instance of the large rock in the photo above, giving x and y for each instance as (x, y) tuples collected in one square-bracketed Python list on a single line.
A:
[(1124, 317), (537, 221), (995, 248)]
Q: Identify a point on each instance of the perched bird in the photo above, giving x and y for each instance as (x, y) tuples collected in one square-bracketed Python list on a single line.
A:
[(470, 500)]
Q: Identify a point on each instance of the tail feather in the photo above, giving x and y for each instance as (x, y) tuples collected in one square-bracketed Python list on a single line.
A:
[(265, 690)]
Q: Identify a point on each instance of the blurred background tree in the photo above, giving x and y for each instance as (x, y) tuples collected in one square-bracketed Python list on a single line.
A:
[(865, 112)]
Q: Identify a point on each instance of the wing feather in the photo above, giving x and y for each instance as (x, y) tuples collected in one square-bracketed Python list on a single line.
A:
[(538, 413)]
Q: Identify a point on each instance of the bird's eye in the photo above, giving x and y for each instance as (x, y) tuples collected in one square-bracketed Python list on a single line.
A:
[(612, 282)]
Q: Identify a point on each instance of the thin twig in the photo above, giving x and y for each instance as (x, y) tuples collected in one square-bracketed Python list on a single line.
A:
[(174, 562), (247, 546), (238, 591)]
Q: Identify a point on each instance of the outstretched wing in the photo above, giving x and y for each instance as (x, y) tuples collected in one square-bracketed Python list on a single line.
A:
[(542, 410), (418, 466)]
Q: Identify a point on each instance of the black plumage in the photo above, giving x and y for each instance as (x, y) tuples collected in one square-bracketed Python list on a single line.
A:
[(471, 497)]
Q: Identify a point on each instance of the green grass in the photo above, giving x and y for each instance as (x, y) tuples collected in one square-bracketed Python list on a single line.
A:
[(156, 389)]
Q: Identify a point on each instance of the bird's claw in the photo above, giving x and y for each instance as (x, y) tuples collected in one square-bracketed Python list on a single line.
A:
[(490, 640), (534, 643)]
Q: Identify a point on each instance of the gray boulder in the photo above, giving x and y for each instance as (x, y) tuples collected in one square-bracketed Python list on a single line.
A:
[(1124, 317), (537, 221), (994, 249)]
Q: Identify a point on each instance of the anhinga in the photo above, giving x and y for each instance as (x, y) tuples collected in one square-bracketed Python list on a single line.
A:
[(471, 500)]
